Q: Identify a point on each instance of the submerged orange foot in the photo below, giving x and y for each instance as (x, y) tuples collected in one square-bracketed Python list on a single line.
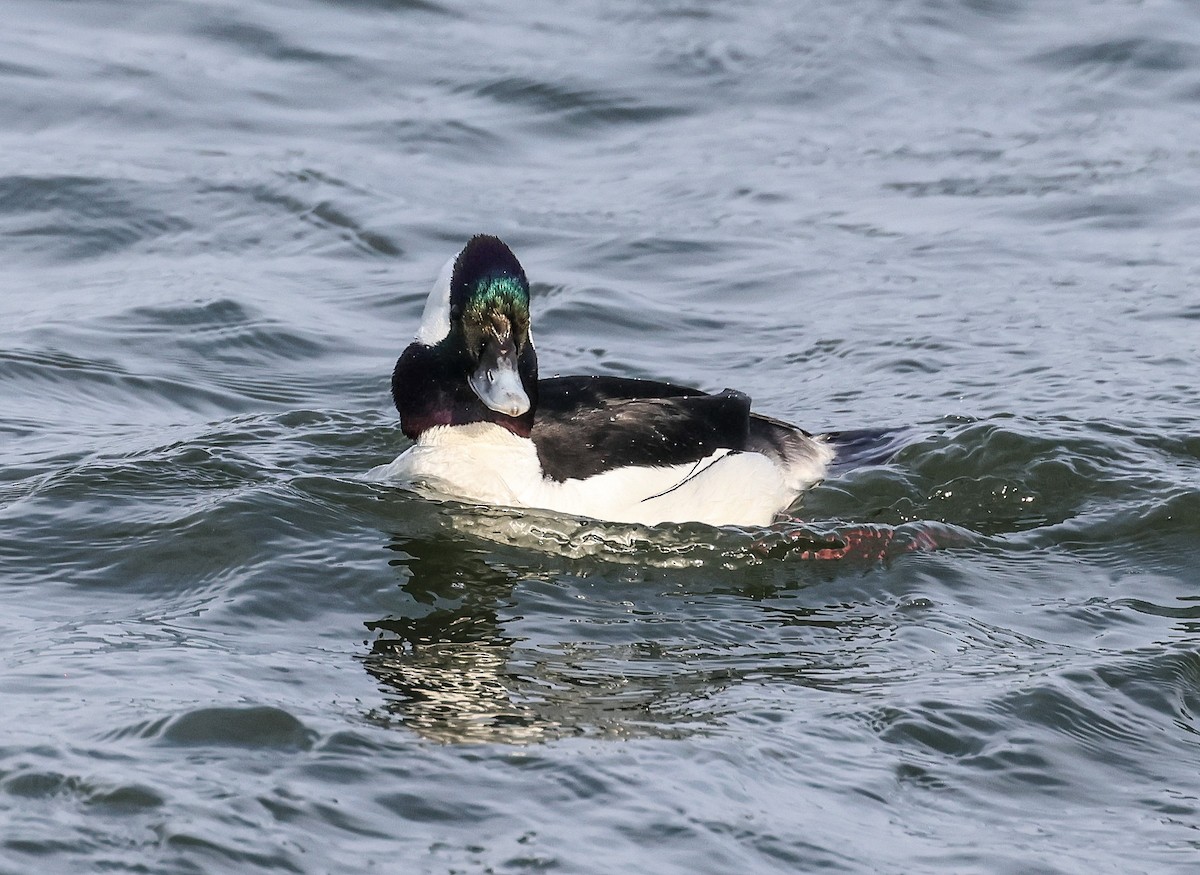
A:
[(863, 543)]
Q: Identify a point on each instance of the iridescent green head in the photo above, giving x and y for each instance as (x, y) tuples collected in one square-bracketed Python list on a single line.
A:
[(489, 312)]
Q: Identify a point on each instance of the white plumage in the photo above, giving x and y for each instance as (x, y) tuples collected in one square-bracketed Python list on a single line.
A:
[(487, 464)]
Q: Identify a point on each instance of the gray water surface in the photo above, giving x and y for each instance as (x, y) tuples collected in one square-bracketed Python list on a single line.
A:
[(971, 221)]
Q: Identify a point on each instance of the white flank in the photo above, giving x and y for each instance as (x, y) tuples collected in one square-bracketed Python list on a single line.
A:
[(487, 464)]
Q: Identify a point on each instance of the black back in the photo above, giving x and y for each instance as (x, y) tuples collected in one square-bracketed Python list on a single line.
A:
[(587, 425)]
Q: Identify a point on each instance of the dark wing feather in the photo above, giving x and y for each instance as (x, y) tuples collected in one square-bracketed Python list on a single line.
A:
[(568, 393), (588, 425)]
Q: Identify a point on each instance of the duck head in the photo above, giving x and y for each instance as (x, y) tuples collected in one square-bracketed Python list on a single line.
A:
[(473, 359)]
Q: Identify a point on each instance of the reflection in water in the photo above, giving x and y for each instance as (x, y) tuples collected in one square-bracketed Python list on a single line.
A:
[(453, 673), (444, 672), (450, 686), (490, 691), (454, 676)]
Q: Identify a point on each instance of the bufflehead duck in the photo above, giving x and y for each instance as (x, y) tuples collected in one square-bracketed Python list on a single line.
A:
[(487, 430)]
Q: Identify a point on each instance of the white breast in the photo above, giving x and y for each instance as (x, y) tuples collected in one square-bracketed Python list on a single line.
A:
[(487, 464)]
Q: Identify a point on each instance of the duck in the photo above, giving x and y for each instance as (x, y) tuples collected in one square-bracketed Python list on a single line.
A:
[(487, 430)]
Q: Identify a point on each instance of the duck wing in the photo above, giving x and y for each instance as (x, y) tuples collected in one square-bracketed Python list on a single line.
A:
[(588, 425)]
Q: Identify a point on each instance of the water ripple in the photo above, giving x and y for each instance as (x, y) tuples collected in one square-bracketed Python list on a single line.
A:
[(961, 223), (577, 107), (77, 217)]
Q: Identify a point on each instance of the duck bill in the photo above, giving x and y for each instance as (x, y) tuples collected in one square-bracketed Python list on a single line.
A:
[(497, 378)]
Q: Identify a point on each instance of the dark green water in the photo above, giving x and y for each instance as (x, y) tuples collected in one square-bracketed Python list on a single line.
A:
[(223, 650)]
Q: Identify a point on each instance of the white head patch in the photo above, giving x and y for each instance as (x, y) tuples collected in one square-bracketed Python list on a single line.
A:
[(435, 321)]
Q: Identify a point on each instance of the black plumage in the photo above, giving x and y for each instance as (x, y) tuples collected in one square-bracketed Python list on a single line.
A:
[(588, 425)]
